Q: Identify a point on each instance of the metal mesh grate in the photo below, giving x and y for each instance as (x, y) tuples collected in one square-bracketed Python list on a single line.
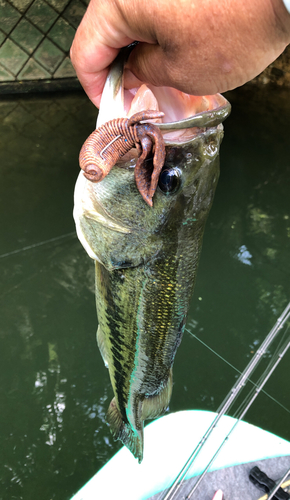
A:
[(29, 124), (35, 38)]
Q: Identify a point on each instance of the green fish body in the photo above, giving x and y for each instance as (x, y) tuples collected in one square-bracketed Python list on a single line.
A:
[(145, 266)]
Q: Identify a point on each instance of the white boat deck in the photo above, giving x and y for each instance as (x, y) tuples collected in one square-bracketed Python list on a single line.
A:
[(170, 441)]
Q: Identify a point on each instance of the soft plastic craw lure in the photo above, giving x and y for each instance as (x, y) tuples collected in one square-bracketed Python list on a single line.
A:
[(108, 143)]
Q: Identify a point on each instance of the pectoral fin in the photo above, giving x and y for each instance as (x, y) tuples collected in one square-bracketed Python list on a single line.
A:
[(102, 346)]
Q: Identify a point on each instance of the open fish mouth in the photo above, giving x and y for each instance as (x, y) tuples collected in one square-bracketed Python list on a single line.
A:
[(181, 111)]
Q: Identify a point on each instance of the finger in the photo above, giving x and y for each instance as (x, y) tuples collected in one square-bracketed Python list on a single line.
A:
[(91, 58), (94, 48), (149, 63), (91, 66), (130, 80)]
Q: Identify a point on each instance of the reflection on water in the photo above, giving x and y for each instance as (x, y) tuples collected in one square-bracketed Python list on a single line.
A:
[(54, 389), (244, 255)]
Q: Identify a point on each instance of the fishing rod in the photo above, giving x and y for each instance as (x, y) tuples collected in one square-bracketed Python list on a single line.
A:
[(256, 393), (229, 400)]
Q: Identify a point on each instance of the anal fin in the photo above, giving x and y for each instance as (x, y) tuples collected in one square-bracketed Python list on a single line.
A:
[(154, 406)]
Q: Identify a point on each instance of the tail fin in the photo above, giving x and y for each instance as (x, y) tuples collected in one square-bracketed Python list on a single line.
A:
[(151, 407), (123, 431)]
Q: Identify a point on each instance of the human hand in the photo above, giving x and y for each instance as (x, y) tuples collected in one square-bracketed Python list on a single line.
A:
[(198, 47)]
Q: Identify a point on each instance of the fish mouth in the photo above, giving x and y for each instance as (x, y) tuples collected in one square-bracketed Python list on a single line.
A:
[(181, 111)]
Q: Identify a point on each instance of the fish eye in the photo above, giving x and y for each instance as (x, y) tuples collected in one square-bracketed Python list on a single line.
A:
[(169, 180)]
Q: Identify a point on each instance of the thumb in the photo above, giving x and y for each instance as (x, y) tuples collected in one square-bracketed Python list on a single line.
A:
[(95, 46), (143, 63), (150, 63), (91, 65)]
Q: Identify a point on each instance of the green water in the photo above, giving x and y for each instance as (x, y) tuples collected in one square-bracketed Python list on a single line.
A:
[(54, 389)]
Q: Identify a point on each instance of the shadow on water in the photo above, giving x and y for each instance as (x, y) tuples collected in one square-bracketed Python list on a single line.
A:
[(54, 389)]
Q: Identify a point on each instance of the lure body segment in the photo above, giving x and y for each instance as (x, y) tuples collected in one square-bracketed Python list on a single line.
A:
[(108, 143)]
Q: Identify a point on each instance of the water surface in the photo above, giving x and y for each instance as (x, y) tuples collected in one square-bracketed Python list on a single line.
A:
[(54, 389)]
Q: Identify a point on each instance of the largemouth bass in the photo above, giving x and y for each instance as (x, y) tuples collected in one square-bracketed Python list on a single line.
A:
[(146, 257)]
